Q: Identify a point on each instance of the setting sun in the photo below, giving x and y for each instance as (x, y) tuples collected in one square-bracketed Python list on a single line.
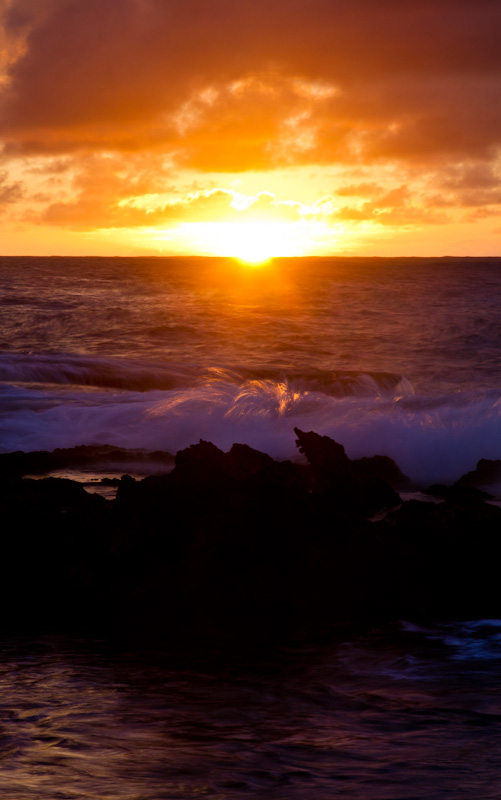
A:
[(256, 242), (251, 242)]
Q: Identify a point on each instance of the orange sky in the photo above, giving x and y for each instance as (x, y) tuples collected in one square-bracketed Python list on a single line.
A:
[(207, 126)]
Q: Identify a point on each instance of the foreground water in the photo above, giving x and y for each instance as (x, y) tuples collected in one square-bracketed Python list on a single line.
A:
[(387, 356), (397, 712), (395, 356)]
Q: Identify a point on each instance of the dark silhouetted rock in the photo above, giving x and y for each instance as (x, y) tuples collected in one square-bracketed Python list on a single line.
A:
[(244, 462), (85, 457), (381, 467), (325, 456), (349, 485), (235, 547), (486, 473), (48, 493), (201, 464), (458, 494)]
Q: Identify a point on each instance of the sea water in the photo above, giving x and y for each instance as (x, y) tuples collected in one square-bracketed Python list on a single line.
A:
[(394, 356), (402, 713)]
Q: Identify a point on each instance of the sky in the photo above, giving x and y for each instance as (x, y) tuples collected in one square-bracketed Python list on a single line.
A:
[(251, 128)]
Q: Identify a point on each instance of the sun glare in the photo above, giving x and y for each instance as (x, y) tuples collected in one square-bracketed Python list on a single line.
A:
[(251, 243)]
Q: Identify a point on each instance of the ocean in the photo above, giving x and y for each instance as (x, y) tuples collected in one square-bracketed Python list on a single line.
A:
[(391, 356), (397, 356), (410, 713)]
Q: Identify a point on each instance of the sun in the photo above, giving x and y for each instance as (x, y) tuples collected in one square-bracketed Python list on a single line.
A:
[(255, 248), (256, 243), (252, 243)]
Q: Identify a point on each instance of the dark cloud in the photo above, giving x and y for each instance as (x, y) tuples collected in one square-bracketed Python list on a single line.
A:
[(418, 82), (481, 214), (466, 185), (10, 191), (472, 176), (486, 197), (58, 166)]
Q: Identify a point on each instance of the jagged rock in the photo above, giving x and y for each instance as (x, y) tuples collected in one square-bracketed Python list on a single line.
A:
[(238, 545), (486, 473), (200, 464), (458, 494), (441, 559), (86, 457), (355, 488), (325, 456), (48, 493), (382, 467)]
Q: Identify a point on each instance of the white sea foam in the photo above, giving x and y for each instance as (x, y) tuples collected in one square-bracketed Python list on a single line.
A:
[(160, 353), (432, 439)]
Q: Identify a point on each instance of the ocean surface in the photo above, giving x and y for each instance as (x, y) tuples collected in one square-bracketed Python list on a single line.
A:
[(402, 713), (393, 356)]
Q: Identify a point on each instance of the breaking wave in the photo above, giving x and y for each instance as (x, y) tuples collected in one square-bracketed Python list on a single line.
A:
[(64, 401)]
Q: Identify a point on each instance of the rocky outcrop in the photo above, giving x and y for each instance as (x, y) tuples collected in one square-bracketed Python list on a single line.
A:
[(351, 485), (235, 547), (85, 457), (487, 473)]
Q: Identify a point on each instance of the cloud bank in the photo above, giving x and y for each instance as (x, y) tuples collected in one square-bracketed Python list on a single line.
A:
[(132, 92)]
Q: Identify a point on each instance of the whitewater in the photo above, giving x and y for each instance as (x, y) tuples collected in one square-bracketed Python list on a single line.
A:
[(392, 356)]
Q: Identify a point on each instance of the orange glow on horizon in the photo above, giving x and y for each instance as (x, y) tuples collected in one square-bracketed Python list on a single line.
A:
[(369, 131), (253, 242)]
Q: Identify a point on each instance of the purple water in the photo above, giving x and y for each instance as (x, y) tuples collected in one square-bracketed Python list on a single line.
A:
[(401, 712), (394, 356)]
